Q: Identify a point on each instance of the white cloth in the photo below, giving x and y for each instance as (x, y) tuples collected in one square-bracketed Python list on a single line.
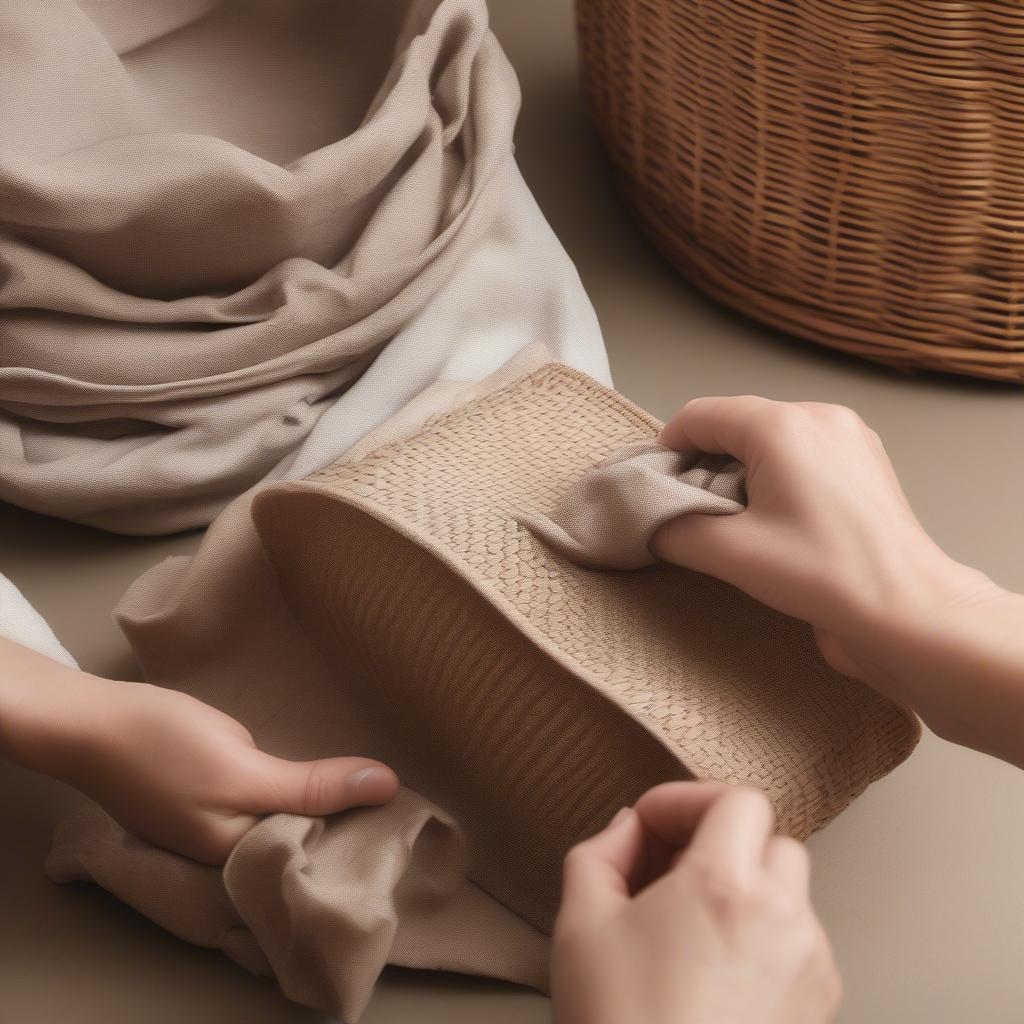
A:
[(20, 622)]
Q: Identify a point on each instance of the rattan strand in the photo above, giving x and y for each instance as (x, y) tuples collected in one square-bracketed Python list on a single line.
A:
[(850, 172)]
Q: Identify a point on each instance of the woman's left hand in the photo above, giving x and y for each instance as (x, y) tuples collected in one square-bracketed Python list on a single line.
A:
[(687, 910)]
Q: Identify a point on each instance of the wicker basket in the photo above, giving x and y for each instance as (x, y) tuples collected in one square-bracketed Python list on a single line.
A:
[(851, 172)]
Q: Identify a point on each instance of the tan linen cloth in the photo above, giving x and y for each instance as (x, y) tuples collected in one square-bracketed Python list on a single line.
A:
[(217, 626), (234, 236), (610, 514), (319, 904)]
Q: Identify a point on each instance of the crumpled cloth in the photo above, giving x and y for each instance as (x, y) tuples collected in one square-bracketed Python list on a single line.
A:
[(319, 903), (234, 237), (609, 516)]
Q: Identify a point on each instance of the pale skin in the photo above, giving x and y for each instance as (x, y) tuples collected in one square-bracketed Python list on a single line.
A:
[(687, 908), (166, 766)]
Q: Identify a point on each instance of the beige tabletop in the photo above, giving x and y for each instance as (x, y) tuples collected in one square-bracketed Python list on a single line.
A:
[(920, 884)]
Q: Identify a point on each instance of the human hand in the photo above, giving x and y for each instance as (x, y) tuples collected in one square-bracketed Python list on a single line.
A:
[(828, 535), (688, 910), (187, 777)]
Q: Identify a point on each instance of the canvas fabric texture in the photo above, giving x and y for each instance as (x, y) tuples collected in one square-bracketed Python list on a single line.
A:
[(234, 237)]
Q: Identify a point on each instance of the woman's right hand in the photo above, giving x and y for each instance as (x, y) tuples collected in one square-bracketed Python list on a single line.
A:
[(828, 535), (687, 910)]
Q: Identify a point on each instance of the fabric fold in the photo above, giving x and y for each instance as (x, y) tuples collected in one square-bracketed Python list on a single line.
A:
[(609, 516), (239, 212), (320, 904)]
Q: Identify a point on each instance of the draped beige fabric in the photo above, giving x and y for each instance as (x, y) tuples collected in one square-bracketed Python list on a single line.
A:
[(239, 238), (214, 218)]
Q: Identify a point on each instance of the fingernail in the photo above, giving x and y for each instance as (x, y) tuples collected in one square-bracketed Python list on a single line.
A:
[(620, 816), (369, 784)]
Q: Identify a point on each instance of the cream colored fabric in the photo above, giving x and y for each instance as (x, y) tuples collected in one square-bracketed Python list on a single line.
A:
[(216, 626), (609, 516), (235, 236)]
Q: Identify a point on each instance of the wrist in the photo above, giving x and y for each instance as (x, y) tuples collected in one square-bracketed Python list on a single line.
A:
[(916, 617), (899, 588), (54, 715)]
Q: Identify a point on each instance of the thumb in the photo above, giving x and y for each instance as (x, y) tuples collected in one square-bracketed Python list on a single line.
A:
[(325, 786), (721, 546)]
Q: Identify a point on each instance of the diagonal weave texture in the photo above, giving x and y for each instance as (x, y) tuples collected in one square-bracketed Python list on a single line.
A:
[(847, 171), (531, 697)]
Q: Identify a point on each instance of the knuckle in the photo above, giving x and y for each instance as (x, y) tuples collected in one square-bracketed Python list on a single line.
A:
[(841, 416), (782, 423), (776, 415), (721, 888), (314, 788)]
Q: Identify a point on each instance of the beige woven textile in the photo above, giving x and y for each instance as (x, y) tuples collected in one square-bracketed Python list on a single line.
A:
[(532, 697), (235, 235)]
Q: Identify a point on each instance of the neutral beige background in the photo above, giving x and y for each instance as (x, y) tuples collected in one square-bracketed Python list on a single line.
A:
[(920, 884)]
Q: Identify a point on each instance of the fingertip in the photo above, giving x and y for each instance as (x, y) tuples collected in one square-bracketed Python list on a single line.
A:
[(685, 432), (672, 810), (375, 784)]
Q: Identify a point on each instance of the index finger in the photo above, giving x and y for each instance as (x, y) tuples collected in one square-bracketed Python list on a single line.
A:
[(734, 833), (720, 426)]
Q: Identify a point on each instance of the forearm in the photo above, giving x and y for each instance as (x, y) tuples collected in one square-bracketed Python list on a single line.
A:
[(952, 648), (45, 708)]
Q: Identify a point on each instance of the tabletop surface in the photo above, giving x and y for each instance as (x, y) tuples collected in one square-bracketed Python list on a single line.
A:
[(920, 884)]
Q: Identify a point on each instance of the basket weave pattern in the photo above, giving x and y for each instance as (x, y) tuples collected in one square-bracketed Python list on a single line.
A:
[(851, 172)]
